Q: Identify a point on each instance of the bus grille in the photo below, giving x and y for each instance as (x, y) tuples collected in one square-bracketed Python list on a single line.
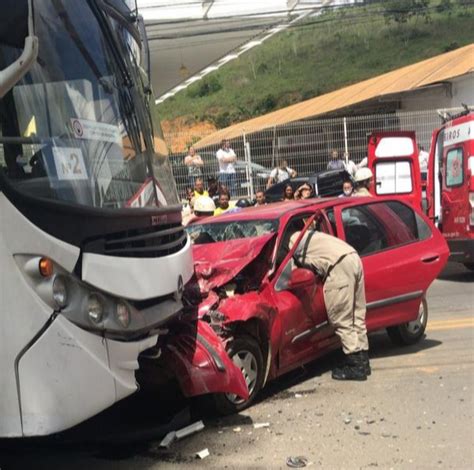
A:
[(149, 242)]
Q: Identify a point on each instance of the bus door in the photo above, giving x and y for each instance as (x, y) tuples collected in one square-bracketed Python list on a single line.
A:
[(457, 180), (393, 158)]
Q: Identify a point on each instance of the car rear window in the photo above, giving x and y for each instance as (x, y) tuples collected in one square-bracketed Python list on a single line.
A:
[(230, 230)]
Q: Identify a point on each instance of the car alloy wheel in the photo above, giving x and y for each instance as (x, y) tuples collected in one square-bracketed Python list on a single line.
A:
[(247, 363), (411, 332), (247, 355)]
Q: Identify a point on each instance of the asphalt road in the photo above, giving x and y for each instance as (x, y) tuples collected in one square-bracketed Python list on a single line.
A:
[(415, 411)]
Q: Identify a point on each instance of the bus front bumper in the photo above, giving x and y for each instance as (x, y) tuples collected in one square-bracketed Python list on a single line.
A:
[(69, 375)]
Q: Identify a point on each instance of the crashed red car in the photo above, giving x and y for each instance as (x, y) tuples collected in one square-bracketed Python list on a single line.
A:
[(269, 315)]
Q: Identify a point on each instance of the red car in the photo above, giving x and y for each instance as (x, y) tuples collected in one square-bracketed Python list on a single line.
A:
[(270, 316)]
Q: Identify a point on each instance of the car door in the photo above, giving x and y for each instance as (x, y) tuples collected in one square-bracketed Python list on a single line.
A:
[(393, 158), (302, 327), (401, 254)]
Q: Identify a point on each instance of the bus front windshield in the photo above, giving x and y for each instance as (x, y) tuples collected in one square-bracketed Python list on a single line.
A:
[(76, 128)]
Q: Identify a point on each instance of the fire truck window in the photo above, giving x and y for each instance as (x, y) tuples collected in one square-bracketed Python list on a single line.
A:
[(393, 178), (454, 168)]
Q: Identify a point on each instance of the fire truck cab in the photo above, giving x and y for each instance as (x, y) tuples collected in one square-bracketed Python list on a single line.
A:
[(447, 195), (450, 185)]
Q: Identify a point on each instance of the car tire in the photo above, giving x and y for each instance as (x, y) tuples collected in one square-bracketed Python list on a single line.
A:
[(246, 354), (411, 332)]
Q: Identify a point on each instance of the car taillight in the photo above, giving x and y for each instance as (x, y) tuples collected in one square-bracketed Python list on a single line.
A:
[(471, 202)]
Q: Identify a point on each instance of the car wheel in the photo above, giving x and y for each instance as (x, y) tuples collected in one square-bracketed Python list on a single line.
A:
[(247, 355), (469, 266), (411, 332)]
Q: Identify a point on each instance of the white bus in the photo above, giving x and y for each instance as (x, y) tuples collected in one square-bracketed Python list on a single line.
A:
[(93, 255)]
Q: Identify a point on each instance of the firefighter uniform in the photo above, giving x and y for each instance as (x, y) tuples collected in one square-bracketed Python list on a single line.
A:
[(361, 192), (340, 267)]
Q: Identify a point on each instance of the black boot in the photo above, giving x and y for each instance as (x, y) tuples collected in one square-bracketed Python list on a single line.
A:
[(362, 359), (351, 369)]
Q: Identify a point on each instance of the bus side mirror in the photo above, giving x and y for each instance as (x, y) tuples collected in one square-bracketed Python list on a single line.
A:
[(18, 69), (145, 50)]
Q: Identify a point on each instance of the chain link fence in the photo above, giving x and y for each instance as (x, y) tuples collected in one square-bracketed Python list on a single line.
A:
[(306, 146)]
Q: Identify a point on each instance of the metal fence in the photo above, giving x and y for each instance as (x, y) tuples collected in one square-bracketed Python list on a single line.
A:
[(305, 145)]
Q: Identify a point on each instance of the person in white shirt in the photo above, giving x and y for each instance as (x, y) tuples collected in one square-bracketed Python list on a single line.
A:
[(280, 173), (423, 157), (226, 158)]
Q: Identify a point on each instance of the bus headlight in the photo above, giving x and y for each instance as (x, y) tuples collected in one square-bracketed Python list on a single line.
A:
[(60, 291), (122, 313), (95, 308)]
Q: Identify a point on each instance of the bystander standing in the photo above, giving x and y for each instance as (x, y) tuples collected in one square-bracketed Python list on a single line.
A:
[(194, 163), (347, 188), (288, 193), (280, 173), (226, 158), (335, 163), (224, 199), (260, 199)]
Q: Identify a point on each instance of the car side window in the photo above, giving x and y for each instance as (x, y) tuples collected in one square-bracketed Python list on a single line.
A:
[(419, 229), (375, 227), (294, 225), (332, 220)]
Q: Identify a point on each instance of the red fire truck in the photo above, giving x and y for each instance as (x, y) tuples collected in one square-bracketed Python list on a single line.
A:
[(449, 186)]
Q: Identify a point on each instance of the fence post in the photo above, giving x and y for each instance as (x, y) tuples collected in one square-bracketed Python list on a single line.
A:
[(346, 152), (273, 147), (248, 168)]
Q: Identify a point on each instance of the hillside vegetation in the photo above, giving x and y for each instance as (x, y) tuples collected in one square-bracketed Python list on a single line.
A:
[(322, 54)]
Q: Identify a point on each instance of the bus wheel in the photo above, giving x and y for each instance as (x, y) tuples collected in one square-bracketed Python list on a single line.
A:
[(413, 331)]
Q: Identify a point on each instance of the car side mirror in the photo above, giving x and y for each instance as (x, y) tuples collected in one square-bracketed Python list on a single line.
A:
[(301, 278)]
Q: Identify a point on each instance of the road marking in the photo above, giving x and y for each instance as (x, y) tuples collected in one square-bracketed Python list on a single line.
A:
[(451, 324), (451, 320)]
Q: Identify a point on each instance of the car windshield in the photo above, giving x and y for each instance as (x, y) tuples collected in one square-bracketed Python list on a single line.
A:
[(230, 230), (76, 128)]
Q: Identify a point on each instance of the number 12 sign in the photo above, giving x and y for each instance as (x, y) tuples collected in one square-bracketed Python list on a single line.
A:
[(69, 163)]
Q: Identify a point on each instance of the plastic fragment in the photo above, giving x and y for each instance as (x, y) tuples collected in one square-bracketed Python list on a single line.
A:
[(168, 439), (203, 454), (191, 429), (261, 425), (297, 462)]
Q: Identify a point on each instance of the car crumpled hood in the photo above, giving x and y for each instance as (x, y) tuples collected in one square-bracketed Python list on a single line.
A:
[(216, 264)]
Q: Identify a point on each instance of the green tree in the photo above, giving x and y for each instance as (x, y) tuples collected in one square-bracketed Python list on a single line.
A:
[(401, 11)]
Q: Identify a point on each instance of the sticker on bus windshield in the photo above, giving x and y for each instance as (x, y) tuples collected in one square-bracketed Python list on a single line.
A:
[(93, 130), (69, 163)]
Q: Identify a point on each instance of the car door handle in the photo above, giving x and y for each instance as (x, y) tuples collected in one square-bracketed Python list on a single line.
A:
[(430, 259)]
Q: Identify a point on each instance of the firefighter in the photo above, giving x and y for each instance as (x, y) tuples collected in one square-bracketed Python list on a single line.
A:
[(340, 268), (203, 207), (363, 179)]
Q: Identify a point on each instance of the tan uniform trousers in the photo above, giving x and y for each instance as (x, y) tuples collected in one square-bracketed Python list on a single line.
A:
[(344, 297)]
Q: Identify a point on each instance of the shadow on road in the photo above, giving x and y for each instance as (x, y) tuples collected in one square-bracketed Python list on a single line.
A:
[(456, 272)]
